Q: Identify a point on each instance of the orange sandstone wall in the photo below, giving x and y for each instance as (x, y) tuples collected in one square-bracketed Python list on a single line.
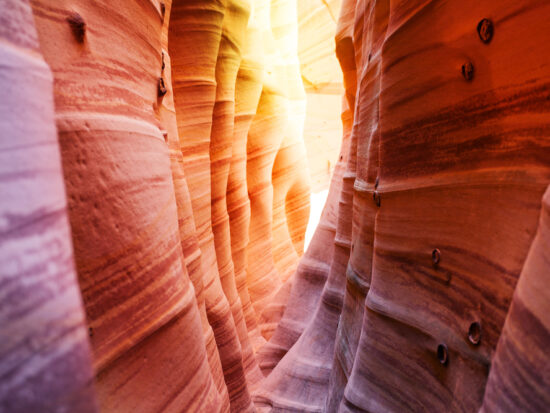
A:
[(438, 205), (155, 193), (45, 360), (157, 107), (138, 297)]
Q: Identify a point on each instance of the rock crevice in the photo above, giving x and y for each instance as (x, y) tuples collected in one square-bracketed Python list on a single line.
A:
[(158, 161)]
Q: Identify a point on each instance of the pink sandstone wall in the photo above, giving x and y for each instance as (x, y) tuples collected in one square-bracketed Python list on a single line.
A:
[(155, 197)]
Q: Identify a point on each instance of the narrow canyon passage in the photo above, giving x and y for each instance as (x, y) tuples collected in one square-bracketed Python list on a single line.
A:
[(274, 206)]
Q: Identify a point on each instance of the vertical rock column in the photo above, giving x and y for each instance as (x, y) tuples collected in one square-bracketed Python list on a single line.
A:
[(308, 282), (519, 379), (45, 354), (143, 319), (300, 380), (463, 154), (313, 268), (186, 222), (364, 133), (343, 347), (195, 34), (264, 139), (221, 141), (290, 173), (248, 88)]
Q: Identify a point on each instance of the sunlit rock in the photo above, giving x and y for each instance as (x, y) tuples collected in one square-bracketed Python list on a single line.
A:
[(177, 144)]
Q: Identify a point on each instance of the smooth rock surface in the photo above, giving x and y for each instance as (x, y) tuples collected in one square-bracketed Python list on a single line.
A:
[(45, 358), (181, 133)]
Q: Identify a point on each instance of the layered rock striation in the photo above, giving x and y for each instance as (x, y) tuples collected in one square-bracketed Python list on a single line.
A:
[(155, 198)]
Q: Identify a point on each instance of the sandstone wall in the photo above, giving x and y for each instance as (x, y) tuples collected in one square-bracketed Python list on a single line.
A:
[(437, 209), (155, 195), (45, 361)]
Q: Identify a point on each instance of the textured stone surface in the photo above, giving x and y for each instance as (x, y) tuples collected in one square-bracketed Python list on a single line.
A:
[(442, 168), (248, 88), (45, 362), (183, 131), (194, 41), (432, 176), (519, 378), (144, 323), (417, 176), (187, 230)]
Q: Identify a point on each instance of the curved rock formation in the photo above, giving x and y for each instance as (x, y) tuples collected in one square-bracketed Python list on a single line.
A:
[(264, 139), (195, 36), (183, 141), (428, 245), (227, 66), (45, 362), (139, 302), (248, 88), (426, 159), (290, 174), (519, 379), (187, 230)]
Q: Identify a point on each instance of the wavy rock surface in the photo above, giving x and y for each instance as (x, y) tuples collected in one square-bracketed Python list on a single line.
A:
[(248, 88), (183, 131), (519, 379), (427, 244), (429, 281), (221, 149), (195, 36), (322, 78), (187, 230), (44, 348), (290, 174), (139, 301)]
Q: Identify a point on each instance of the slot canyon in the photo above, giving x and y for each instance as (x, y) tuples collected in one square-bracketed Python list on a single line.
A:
[(274, 206)]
